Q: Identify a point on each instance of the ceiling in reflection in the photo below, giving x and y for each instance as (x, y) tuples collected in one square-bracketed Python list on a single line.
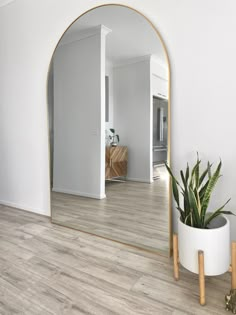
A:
[(132, 35)]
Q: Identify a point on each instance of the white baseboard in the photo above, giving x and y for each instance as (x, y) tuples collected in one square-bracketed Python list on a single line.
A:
[(141, 180), (78, 193), (23, 207)]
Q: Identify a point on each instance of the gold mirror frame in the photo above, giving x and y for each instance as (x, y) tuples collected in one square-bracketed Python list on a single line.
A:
[(169, 119)]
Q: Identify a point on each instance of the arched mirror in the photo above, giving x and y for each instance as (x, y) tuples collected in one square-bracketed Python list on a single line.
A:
[(109, 114)]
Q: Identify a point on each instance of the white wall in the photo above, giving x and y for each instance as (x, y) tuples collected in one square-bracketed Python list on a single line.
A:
[(159, 81), (199, 38), (132, 112), (78, 111), (109, 73), (158, 68)]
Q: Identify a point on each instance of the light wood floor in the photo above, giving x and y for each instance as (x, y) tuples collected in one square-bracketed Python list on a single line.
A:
[(47, 269), (134, 213)]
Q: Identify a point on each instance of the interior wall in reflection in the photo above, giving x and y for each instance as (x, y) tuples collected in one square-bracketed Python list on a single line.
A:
[(136, 82), (79, 113), (132, 115)]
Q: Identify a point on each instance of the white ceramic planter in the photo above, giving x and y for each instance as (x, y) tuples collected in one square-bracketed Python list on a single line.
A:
[(215, 242)]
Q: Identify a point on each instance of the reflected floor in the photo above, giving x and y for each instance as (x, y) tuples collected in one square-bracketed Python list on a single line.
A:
[(133, 213)]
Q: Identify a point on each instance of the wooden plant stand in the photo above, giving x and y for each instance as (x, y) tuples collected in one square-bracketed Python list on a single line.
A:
[(201, 273)]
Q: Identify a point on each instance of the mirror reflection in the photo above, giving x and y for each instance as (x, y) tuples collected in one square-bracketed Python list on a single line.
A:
[(109, 130)]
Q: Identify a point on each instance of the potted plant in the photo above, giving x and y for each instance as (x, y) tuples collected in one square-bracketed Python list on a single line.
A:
[(199, 229), (114, 139)]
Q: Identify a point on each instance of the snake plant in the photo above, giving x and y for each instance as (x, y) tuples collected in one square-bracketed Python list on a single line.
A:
[(196, 189)]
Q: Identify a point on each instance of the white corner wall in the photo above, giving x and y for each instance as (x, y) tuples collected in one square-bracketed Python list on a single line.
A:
[(199, 39), (79, 144), (109, 73), (132, 112)]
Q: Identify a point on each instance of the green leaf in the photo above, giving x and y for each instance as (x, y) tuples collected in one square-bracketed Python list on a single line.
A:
[(182, 214), (227, 212), (188, 220), (194, 208), (187, 209), (217, 212), (186, 198), (118, 138), (187, 174), (207, 195), (183, 178), (175, 190), (197, 173), (193, 175), (174, 185), (199, 206), (112, 130), (171, 174), (202, 177), (203, 190), (209, 169)]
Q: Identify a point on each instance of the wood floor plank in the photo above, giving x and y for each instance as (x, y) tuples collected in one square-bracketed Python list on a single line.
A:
[(50, 270), (134, 213), (150, 287), (13, 301)]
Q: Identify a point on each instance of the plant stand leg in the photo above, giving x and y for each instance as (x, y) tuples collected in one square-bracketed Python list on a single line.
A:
[(233, 265), (201, 277), (176, 256)]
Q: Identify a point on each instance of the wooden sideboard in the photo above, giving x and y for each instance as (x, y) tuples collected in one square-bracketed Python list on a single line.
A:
[(116, 161)]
